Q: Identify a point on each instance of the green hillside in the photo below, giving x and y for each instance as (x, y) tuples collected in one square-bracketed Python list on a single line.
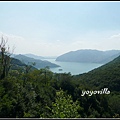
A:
[(18, 65), (107, 75), (40, 93), (38, 63)]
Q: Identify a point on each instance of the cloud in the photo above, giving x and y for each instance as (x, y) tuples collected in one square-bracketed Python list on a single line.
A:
[(13, 41), (10, 36), (100, 41), (112, 42), (58, 40), (39, 47), (115, 36), (59, 45)]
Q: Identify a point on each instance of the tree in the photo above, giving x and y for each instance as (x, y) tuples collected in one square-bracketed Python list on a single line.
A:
[(4, 58), (29, 67), (64, 107)]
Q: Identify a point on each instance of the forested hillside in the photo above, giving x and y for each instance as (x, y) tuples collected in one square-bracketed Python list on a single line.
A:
[(44, 94), (16, 64), (107, 75), (38, 63)]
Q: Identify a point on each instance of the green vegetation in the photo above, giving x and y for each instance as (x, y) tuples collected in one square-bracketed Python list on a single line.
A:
[(26, 92), (38, 63)]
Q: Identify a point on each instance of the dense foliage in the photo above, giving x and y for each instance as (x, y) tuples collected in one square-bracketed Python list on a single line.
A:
[(33, 93)]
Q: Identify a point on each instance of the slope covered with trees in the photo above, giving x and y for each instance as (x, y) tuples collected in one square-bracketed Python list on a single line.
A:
[(44, 94), (38, 63), (107, 75), (18, 65)]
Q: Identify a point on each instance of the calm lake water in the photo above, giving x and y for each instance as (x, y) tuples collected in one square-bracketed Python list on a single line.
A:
[(73, 67)]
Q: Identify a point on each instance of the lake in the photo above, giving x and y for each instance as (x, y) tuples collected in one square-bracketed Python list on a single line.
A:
[(73, 67)]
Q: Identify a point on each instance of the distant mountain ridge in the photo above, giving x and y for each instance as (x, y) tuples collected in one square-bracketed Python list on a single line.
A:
[(38, 63), (18, 65), (33, 56), (88, 55)]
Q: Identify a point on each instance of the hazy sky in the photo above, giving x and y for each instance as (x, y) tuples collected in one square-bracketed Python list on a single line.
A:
[(54, 28)]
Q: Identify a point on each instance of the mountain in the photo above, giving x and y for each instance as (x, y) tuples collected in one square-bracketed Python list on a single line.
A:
[(106, 76), (88, 55), (17, 65), (34, 56), (50, 57), (38, 63)]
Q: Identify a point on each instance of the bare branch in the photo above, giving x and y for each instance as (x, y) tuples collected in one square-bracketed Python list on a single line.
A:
[(4, 58)]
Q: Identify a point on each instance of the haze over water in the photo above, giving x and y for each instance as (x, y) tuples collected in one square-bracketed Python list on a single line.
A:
[(74, 68)]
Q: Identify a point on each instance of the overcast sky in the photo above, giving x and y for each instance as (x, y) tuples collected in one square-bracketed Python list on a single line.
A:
[(54, 28)]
